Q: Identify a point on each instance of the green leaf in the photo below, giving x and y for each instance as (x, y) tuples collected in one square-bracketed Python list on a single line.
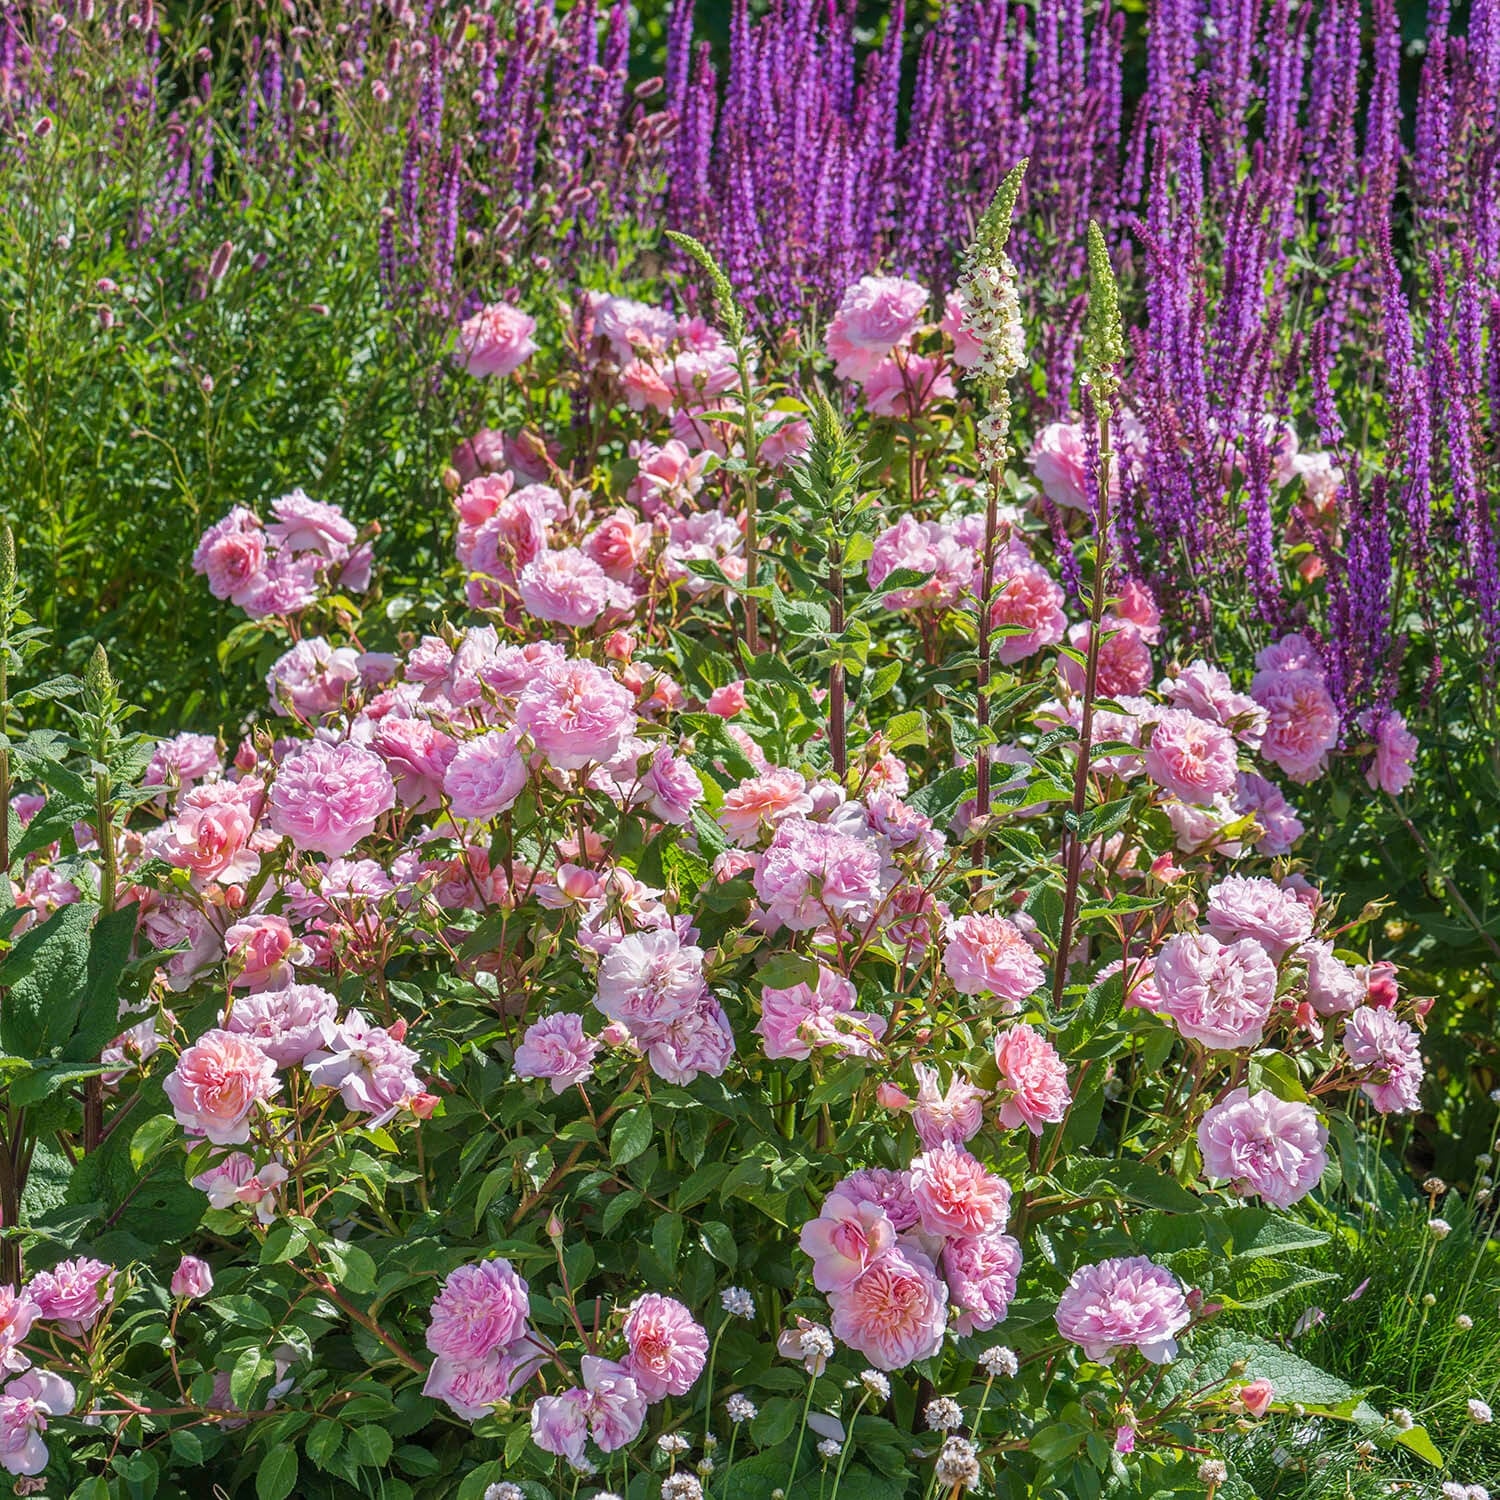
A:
[(781, 971), (323, 1442), (370, 1445), (277, 1474), (718, 1239), (1421, 1444), (631, 1135)]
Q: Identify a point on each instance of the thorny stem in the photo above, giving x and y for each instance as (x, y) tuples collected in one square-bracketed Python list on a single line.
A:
[(982, 704)]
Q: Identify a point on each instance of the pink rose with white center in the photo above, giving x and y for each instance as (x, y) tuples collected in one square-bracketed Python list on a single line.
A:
[(1033, 1087), (875, 316), (1219, 994), (1263, 1146), (845, 1240), (216, 1085), (668, 1348), (286, 1024), (957, 1194), (1190, 757), (556, 1048), (326, 798), (1124, 1303), (986, 955), (953, 1114), (649, 979), (495, 341)]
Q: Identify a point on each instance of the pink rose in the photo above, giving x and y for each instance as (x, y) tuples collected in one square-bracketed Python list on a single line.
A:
[(232, 555), (485, 775), (576, 713), (217, 1082), (876, 315), (1388, 1052), (1190, 757), (1395, 750), (1030, 603), (262, 950), (1219, 994), (1255, 1396), (953, 1114), (907, 386), (1058, 459), (560, 1424), (18, 1311), (326, 798), (496, 340), (1033, 1079), (211, 832), (482, 1307), (1302, 724), (616, 1404), (25, 1405), (795, 1020), (760, 804), (1124, 1303), (1255, 907), (668, 1348), (192, 1279), (1264, 1146), (73, 1294), (845, 1240), (567, 587), (981, 1272), (956, 1194), (988, 955), (813, 872), (895, 1313), (555, 1048), (369, 1066), (286, 1024)]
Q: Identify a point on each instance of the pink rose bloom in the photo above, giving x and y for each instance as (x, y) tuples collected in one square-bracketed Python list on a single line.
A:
[(181, 760), (876, 316), (232, 556), (73, 1294), (1395, 750), (1026, 599), (312, 678), (482, 1307), (699, 1041), (193, 1278), (890, 1190), (25, 1405), (1333, 987), (474, 1387), (671, 786), (417, 754), (1059, 463), (649, 979), (906, 387), (988, 956), (1302, 724), (286, 1024), (485, 776), (795, 1020), (631, 327), (1206, 691), (1254, 907), (1124, 659), (217, 1082), (760, 804), (789, 439), (955, 1114), (1033, 1079), (1292, 653), (496, 340), (326, 798), (567, 587), (896, 1313), (555, 1048), (619, 544), (212, 830), (644, 387), (957, 1194), (1255, 1396), (1272, 812), (1388, 1050), (18, 1311), (1190, 757), (560, 1424), (845, 1240), (236, 1179), (1219, 994), (812, 873), (1137, 606), (668, 1348), (981, 1273), (922, 547), (967, 350), (264, 949), (1261, 1145), (667, 477), (1123, 1303), (303, 524), (575, 713), (729, 700), (616, 1404), (370, 1068)]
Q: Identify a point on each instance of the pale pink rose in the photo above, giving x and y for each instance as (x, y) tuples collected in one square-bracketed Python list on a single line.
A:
[(644, 387), (1302, 724), (262, 950), (192, 1279), (1137, 604), (1255, 907), (813, 873), (286, 1024), (929, 547), (1272, 812), (369, 1066), (482, 498), (1395, 750), (671, 786), (1124, 1303), (967, 350), (1388, 1051), (896, 1313), (788, 438), (180, 761), (619, 544), (567, 587), (668, 1348), (474, 1387), (987, 955), (1333, 986), (73, 1294), (649, 979), (232, 556), (889, 1189), (509, 539), (1124, 659), (1255, 1396), (1190, 757), (210, 834), (729, 700), (667, 477), (312, 678), (1204, 690), (1058, 459), (576, 713), (485, 776), (953, 1114), (631, 327), (303, 524), (797, 1019), (1033, 1086), (1292, 653), (326, 798), (555, 1048), (18, 1311), (845, 1240), (957, 1194), (25, 1405), (560, 1424), (216, 1084), (496, 340), (417, 754), (236, 1179), (483, 1307), (1028, 600), (981, 1272), (907, 386), (616, 1404), (287, 586), (759, 805), (875, 316), (1219, 994), (699, 1041), (1263, 1146)]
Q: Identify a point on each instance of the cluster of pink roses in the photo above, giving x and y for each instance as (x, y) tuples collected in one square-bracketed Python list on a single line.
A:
[(479, 1330), (309, 548)]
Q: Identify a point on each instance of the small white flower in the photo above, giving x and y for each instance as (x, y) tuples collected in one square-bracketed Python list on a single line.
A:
[(1463, 1322), (740, 1409), (737, 1302), (1433, 1186), (1484, 1161), (1401, 1419), (704, 1467), (1439, 1229), (829, 1448), (944, 1414), (1428, 1300), (1480, 1412), (504, 1491), (1453, 1491), (1364, 1448), (876, 1384), (999, 1361), (681, 1486), (957, 1464), (1476, 1492), (1213, 1471), (672, 1442), (710, 1442)]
